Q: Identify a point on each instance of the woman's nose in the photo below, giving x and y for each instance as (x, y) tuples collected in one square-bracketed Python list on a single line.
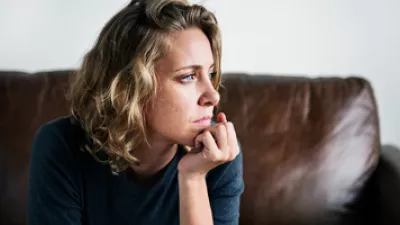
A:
[(210, 96)]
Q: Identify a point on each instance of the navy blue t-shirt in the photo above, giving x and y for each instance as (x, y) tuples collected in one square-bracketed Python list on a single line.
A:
[(68, 186)]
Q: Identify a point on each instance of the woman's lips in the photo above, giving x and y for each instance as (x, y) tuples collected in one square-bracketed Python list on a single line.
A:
[(206, 121)]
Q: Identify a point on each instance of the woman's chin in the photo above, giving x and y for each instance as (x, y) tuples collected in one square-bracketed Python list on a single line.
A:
[(188, 138), (188, 141)]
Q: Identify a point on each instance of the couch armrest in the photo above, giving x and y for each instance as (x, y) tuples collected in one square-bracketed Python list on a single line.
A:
[(388, 175)]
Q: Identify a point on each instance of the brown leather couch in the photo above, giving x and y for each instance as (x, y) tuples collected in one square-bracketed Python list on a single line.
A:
[(311, 147)]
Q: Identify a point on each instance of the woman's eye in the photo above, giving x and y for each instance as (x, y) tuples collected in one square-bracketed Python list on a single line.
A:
[(212, 75), (189, 77)]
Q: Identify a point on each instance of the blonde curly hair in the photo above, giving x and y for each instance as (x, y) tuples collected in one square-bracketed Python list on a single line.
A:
[(116, 81)]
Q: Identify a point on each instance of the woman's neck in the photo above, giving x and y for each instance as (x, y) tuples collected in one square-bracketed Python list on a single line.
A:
[(153, 159)]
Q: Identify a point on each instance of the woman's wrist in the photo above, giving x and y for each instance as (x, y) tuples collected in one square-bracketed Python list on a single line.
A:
[(193, 177)]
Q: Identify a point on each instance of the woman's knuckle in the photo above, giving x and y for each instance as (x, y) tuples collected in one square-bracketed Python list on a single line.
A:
[(233, 156), (215, 159)]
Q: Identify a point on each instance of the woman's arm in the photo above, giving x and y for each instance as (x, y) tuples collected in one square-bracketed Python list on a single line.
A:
[(215, 200), (194, 203), (53, 181)]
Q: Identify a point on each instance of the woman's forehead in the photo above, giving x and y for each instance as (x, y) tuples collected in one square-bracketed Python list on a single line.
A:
[(188, 48)]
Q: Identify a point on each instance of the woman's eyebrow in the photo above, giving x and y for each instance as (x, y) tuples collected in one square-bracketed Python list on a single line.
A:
[(196, 66)]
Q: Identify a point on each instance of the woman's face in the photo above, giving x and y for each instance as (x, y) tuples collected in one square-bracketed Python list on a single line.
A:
[(186, 96)]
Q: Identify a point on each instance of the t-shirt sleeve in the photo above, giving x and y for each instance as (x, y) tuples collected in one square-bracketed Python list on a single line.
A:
[(54, 196), (226, 190)]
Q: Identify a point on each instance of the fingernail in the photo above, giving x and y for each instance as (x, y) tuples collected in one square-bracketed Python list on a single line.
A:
[(221, 116), (224, 117)]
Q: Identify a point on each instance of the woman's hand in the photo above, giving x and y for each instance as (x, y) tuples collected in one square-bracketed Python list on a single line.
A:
[(218, 144)]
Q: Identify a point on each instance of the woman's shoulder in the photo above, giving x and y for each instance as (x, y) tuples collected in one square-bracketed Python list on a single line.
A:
[(65, 124), (64, 128), (60, 136)]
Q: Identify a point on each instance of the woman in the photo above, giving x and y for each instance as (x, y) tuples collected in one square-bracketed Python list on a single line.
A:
[(139, 147)]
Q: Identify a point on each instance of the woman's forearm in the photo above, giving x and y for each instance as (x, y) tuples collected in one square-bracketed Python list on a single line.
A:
[(194, 204)]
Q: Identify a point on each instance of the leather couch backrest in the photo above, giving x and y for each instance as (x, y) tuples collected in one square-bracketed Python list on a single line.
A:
[(26, 102), (309, 145)]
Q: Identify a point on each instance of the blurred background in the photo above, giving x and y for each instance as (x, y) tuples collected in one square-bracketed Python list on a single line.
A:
[(284, 37)]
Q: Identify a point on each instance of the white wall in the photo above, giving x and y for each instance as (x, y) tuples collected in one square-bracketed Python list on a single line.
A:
[(314, 37)]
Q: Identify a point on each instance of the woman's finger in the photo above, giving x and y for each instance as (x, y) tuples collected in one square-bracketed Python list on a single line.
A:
[(221, 118), (232, 140), (220, 135), (210, 150)]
